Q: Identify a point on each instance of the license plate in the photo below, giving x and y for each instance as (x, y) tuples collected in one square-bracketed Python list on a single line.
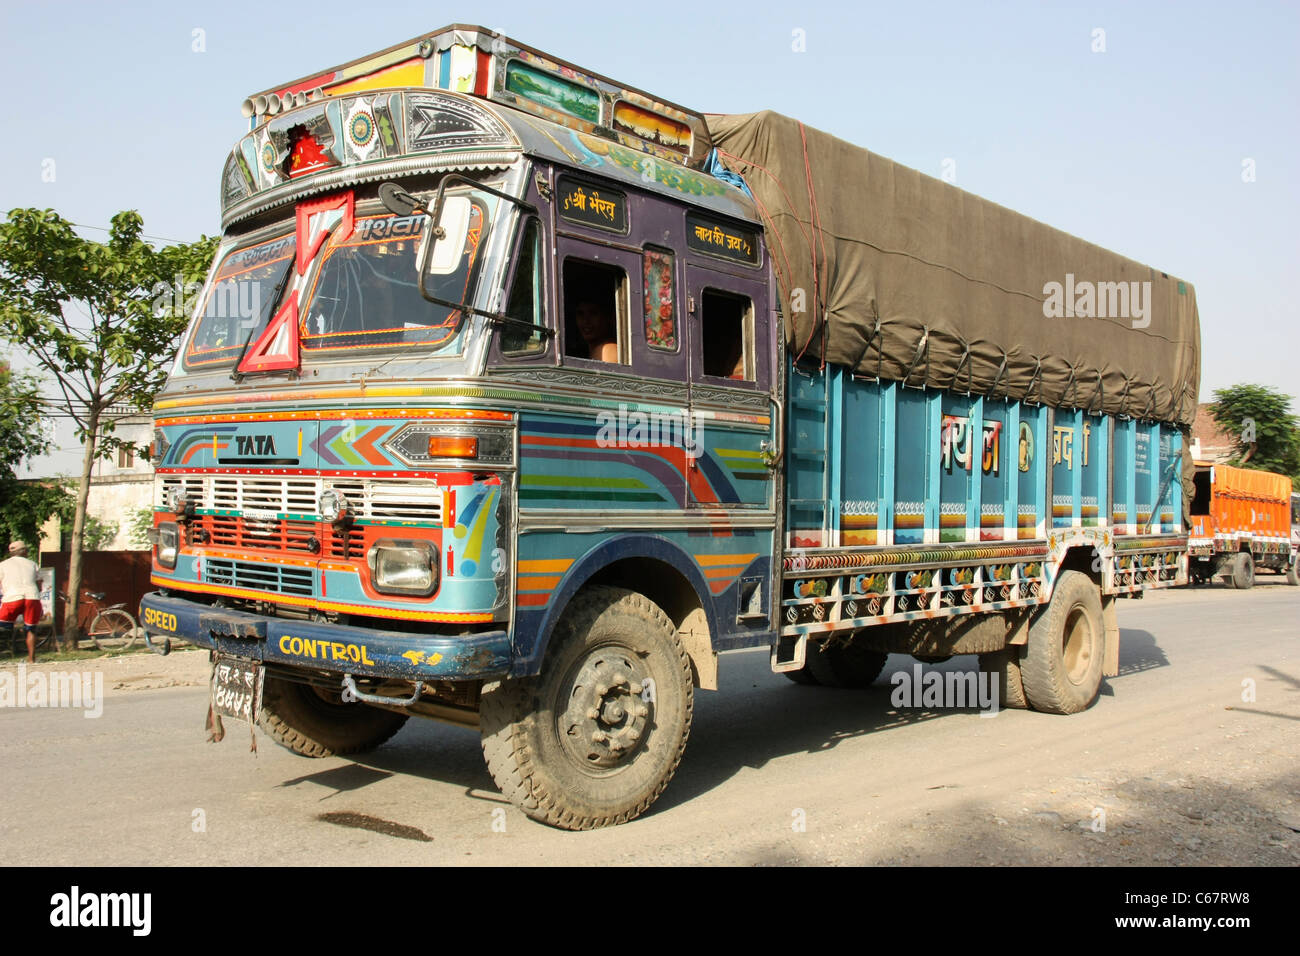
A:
[(237, 688)]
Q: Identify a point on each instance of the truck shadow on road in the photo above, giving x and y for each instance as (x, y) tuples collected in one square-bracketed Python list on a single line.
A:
[(1138, 651), (756, 717)]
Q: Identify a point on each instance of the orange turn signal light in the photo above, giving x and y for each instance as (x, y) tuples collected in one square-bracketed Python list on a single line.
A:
[(453, 446)]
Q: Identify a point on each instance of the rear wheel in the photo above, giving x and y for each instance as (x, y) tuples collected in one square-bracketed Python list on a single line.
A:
[(802, 676), (845, 664), (1062, 665), (318, 723), (1243, 571), (593, 739), (112, 630), (1005, 665)]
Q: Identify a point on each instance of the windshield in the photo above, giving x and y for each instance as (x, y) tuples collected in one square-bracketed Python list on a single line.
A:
[(240, 299), (367, 295)]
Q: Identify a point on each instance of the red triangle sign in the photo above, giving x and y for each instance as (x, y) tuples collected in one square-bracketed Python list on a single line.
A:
[(317, 219), (277, 346)]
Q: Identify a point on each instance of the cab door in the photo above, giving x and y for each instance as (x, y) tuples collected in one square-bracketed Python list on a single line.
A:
[(733, 392)]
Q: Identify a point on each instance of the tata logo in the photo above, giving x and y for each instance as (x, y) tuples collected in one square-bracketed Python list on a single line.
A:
[(255, 444)]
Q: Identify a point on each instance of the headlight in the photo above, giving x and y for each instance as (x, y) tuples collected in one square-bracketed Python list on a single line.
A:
[(168, 541), (403, 567), (334, 505)]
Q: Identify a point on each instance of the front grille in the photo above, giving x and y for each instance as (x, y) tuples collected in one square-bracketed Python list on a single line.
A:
[(351, 545), (392, 499), (228, 531), (265, 495), (251, 511), (258, 577)]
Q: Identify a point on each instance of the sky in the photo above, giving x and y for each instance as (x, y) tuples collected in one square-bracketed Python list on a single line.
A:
[(1164, 131)]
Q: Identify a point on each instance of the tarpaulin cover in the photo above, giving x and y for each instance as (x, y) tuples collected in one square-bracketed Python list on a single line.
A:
[(1254, 484), (900, 276)]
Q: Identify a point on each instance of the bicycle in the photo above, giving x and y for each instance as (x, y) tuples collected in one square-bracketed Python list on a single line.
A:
[(111, 628), (16, 643)]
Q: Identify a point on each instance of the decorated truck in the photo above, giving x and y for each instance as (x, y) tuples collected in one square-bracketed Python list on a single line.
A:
[(516, 396), (1240, 521)]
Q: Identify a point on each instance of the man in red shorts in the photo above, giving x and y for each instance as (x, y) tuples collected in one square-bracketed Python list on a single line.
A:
[(21, 594)]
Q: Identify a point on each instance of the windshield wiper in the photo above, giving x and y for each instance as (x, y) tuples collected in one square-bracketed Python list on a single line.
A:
[(236, 375)]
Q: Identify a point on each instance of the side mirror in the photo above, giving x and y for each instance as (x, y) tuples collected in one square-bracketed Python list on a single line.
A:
[(447, 237), (399, 202)]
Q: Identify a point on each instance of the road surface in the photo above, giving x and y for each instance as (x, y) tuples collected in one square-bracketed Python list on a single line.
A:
[(1190, 756)]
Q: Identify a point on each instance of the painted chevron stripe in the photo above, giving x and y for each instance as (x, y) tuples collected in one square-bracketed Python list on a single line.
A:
[(365, 445), (338, 445)]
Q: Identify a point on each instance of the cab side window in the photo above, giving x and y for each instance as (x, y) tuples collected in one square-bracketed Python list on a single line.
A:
[(595, 311), (525, 301), (727, 330)]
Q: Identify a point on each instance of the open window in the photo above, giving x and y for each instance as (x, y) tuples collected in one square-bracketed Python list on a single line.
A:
[(595, 311), (727, 331)]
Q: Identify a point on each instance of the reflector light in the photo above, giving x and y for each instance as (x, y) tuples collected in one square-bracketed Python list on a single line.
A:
[(453, 446)]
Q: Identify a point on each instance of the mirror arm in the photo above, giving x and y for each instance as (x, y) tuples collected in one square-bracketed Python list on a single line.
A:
[(496, 318)]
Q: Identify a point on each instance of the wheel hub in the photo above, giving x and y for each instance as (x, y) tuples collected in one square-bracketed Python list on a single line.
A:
[(607, 716)]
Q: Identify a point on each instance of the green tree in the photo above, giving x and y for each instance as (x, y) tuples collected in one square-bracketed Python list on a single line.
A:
[(90, 315), (26, 504), (1266, 433), (139, 522), (98, 533)]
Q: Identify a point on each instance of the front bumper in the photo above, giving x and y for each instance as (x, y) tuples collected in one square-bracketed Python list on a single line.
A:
[(317, 645)]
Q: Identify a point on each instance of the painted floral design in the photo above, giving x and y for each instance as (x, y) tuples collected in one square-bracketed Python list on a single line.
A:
[(660, 322)]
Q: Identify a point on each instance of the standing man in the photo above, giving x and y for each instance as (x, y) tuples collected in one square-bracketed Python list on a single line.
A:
[(21, 594)]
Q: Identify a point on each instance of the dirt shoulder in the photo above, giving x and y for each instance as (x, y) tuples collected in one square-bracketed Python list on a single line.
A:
[(127, 672)]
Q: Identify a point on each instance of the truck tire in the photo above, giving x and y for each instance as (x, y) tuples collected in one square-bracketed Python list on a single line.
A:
[(308, 722), (845, 664), (1243, 571), (1293, 571), (1062, 665), (595, 737), (802, 676), (1005, 664)]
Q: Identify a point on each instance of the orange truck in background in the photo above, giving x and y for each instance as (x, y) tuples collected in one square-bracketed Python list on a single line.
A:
[(1240, 520)]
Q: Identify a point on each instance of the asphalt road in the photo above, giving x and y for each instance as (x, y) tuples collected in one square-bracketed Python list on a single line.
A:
[(1174, 764)]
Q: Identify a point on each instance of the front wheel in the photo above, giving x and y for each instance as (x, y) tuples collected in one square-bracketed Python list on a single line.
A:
[(315, 722), (1061, 669), (113, 630), (1293, 571), (594, 739)]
